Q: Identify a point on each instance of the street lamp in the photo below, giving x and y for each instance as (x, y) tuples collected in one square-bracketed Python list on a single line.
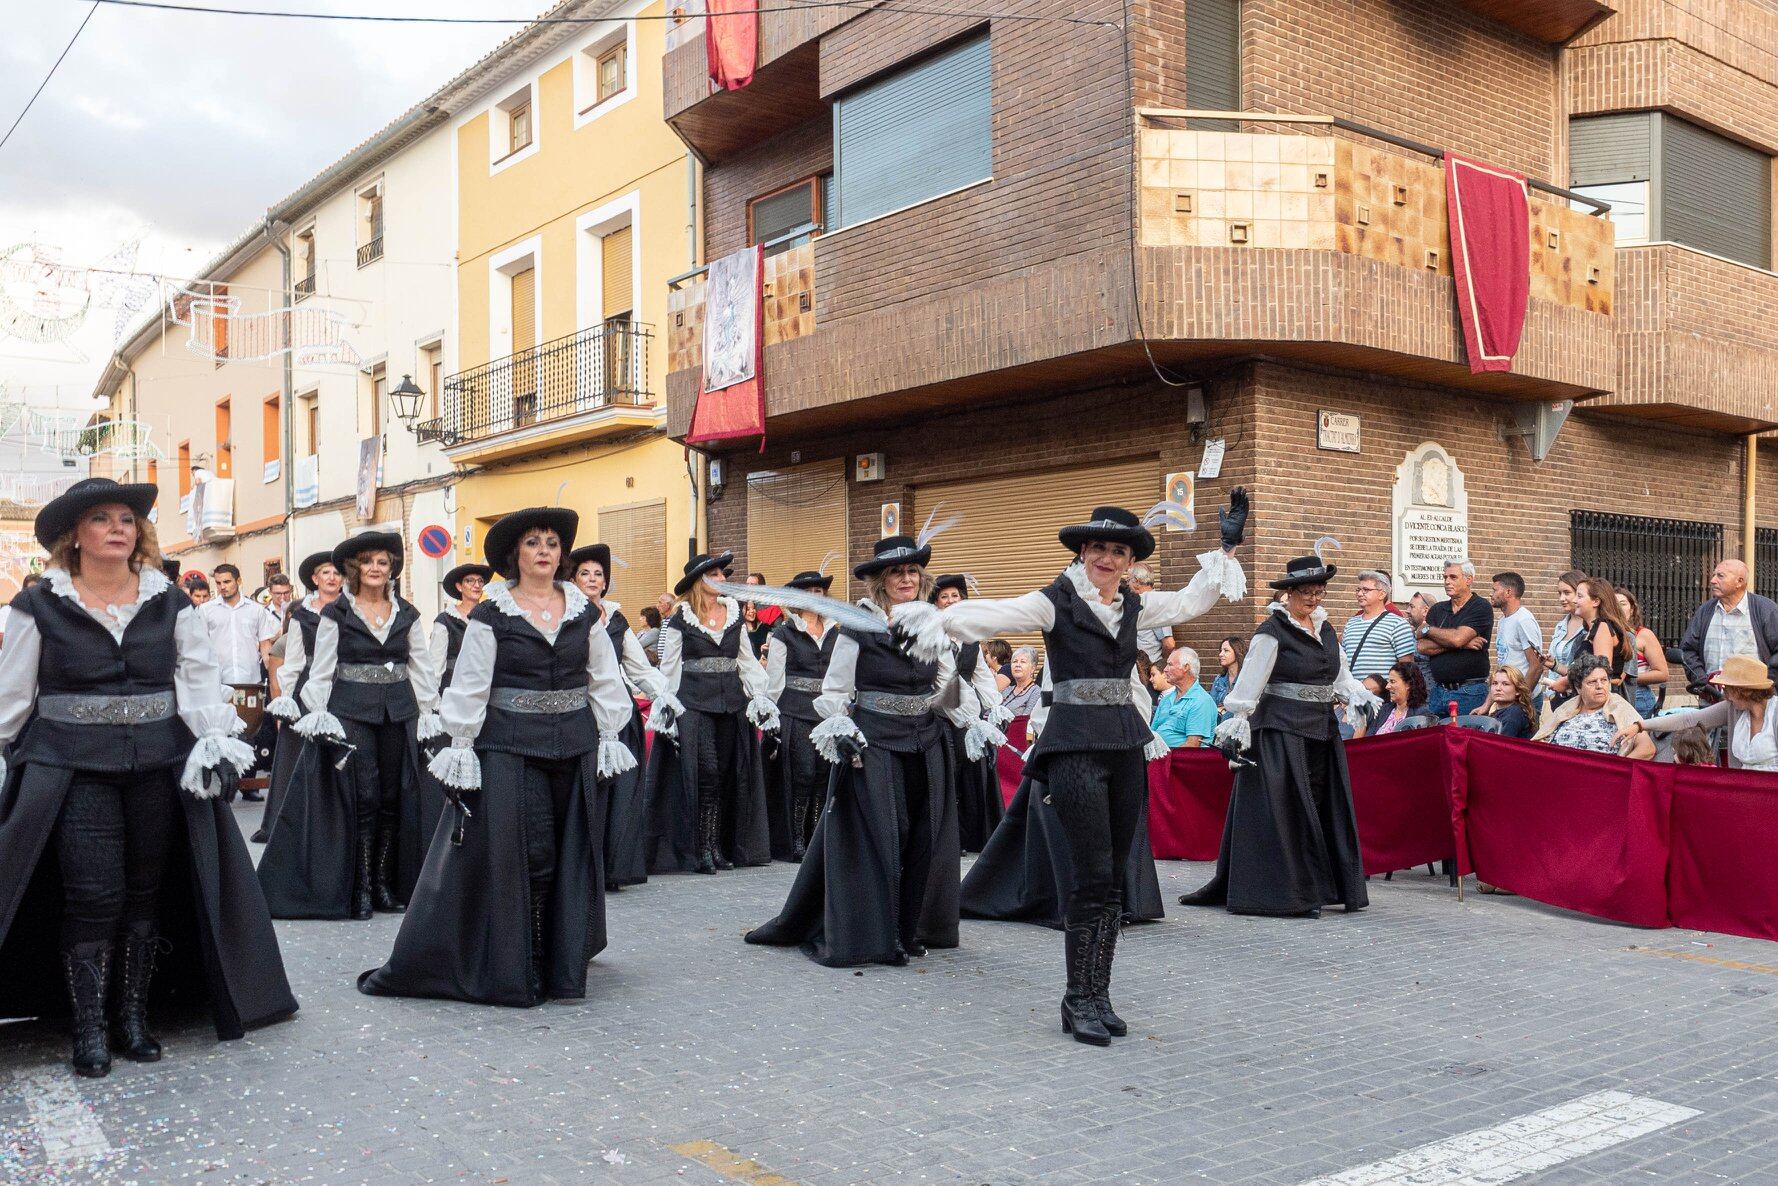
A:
[(405, 399)]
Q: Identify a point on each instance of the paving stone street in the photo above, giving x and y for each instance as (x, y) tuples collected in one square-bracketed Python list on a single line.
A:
[(1260, 1051)]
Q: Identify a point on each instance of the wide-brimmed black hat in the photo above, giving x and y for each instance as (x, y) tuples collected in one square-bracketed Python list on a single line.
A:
[(951, 580), (61, 513), (812, 580), (599, 554), (890, 551), (305, 572), (170, 569), (1306, 570), (503, 538), (450, 581), (700, 564), (1114, 525), (368, 541)]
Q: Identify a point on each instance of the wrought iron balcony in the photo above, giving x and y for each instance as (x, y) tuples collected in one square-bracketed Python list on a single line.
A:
[(305, 287), (601, 367), (371, 251)]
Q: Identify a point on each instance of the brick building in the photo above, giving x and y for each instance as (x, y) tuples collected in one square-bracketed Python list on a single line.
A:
[(1009, 273)]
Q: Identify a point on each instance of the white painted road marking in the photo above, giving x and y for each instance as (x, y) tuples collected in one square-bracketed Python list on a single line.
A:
[(1521, 1146), (65, 1123)]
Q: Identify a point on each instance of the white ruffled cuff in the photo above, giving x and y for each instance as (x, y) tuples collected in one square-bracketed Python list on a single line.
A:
[(284, 708), (615, 757), (979, 738), (211, 751), (924, 627), (431, 725), (1236, 728), (457, 767), (1157, 747), (1000, 716), (1359, 697), (321, 724), (763, 713), (826, 735), (663, 716), (2, 771), (1230, 577)]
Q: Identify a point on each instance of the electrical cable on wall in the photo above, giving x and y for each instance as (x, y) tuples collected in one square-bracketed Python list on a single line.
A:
[(162, 5)]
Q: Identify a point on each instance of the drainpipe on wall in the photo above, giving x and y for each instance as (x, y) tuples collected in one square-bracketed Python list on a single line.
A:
[(287, 468), (693, 470), (1749, 499)]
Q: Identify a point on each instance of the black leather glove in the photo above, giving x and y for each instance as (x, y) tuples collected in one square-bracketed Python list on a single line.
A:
[(1233, 518), (229, 778), (771, 745), (1237, 757), (850, 750)]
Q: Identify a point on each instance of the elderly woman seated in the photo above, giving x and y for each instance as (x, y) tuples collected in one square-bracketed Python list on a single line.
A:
[(1746, 710), (1596, 719)]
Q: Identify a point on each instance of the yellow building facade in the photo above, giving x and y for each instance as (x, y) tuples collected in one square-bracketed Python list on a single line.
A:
[(573, 210)]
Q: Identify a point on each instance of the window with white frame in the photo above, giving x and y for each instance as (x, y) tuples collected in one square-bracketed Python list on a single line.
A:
[(603, 74), (512, 123), (370, 223)]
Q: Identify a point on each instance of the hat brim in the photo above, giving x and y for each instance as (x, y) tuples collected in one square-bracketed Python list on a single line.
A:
[(876, 564), (1139, 539), (1319, 577), (1718, 681), (369, 541), (696, 573), (60, 514), (823, 584), (452, 580), (305, 572), (502, 540), (598, 552)]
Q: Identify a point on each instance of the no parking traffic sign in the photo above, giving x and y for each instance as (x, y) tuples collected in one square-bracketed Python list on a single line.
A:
[(434, 541)]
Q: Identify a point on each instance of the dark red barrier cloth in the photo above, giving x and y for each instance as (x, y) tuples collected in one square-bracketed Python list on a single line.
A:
[(1724, 835), (1490, 223), (1007, 763), (731, 42), (1188, 797)]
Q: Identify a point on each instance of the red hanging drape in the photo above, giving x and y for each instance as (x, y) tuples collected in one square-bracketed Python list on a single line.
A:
[(1490, 257)]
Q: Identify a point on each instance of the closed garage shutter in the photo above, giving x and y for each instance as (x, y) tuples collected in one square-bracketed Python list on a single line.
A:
[(795, 518), (1007, 539), (638, 536)]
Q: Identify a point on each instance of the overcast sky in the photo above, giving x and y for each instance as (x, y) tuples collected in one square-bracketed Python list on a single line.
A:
[(180, 129)]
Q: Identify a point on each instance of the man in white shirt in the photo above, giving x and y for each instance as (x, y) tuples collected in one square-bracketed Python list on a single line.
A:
[(241, 634), (1518, 640)]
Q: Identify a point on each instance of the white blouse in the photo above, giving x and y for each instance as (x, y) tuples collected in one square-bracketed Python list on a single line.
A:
[(1262, 656), (778, 658), (423, 668), (753, 673), (841, 682)]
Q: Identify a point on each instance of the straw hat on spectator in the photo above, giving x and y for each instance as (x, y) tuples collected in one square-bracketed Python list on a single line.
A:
[(1743, 671)]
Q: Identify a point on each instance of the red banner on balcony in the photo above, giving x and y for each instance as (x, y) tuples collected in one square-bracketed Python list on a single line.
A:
[(731, 42), (732, 394), (1491, 257)]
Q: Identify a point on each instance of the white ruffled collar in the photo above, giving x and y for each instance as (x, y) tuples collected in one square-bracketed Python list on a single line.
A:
[(1315, 619), (574, 602), (150, 583), (731, 611), (450, 609), (1086, 590), (796, 623)]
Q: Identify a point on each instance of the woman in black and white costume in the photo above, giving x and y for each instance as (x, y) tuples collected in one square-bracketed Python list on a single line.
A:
[(878, 883), (511, 904), (1290, 843), (115, 842), (1094, 741), (796, 663), (465, 586), (979, 808), (626, 814), (371, 686), (323, 580), (706, 781)]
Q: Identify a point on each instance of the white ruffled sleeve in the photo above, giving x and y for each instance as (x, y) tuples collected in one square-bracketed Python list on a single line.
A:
[(976, 619), (463, 708), (1353, 691), (777, 659), (425, 668), (611, 705), (197, 690), (670, 645), (1219, 575), (761, 710), (835, 702), (19, 659), (318, 722), (296, 657), (638, 670)]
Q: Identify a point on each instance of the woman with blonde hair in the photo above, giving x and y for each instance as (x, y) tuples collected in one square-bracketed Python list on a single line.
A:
[(705, 777), (1509, 702), (113, 718)]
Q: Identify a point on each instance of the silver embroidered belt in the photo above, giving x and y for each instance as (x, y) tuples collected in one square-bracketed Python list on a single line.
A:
[(802, 683), (535, 700), (1308, 693), (79, 709), (1106, 692), (372, 673), (717, 664), (894, 705)]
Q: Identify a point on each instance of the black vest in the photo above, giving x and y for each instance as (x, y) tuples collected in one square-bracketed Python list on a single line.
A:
[(1079, 646), (804, 658), (713, 692), (81, 658), (453, 626), (1301, 660), (305, 620), (882, 667), (524, 658), (372, 703)]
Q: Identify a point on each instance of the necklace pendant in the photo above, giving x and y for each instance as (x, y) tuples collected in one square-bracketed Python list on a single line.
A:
[(547, 616)]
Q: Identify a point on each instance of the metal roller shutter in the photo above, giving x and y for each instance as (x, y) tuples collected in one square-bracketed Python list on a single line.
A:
[(637, 535), (795, 518), (615, 273), (1716, 195), (1213, 58), (1007, 539), (1609, 149)]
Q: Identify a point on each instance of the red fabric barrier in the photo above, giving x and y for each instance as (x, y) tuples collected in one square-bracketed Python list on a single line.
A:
[(1724, 834), (1188, 796), (1399, 794), (1007, 763), (1586, 832)]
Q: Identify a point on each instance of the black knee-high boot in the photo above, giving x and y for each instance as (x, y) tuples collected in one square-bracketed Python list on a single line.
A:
[(799, 824), (707, 824), (136, 961), (1080, 1016), (363, 859), (1111, 921), (86, 968), (383, 887)]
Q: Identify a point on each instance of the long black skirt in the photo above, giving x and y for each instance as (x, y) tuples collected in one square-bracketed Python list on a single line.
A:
[(1026, 871), (1290, 843), (844, 905), (626, 816), (672, 783), (284, 754), (466, 935), (222, 952), (307, 869), (979, 808)]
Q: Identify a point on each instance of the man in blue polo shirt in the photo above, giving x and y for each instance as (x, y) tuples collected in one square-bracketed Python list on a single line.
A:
[(1185, 717)]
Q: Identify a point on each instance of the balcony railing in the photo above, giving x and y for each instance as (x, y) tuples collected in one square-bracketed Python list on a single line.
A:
[(371, 251), (601, 367), (305, 287)]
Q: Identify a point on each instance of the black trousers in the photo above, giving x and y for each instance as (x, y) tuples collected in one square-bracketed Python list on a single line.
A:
[(805, 775), (1098, 796), (914, 827), (112, 839), (716, 744), (377, 767), (548, 783)]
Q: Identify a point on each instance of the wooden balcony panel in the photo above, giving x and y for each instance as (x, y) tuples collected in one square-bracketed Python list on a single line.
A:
[(1554, 21), (785, 92)]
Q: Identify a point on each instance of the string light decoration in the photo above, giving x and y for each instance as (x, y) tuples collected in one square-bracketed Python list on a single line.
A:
[(220, 331), (45, 301)]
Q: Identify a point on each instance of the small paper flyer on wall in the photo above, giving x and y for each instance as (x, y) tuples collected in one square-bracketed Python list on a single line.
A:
[(1211, 466)]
